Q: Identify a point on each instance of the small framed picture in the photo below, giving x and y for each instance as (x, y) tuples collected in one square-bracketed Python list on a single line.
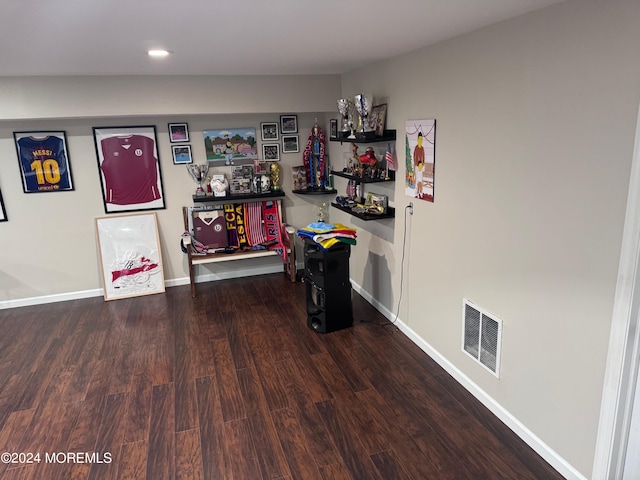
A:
[(377, 119), (288, 124), (178, 132), (333, 128), (269, 131), (271, 152), (181, 154), (290, 144)]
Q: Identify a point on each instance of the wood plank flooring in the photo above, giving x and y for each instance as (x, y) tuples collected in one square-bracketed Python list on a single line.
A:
[(233, 385)]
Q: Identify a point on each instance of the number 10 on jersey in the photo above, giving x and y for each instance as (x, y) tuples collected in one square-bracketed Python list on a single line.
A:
[(44, 161)]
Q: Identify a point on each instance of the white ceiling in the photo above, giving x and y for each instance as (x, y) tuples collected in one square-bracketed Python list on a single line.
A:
[(234, 37)]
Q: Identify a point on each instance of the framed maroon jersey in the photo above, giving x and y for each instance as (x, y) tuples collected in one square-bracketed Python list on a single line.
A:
[(129, 168)]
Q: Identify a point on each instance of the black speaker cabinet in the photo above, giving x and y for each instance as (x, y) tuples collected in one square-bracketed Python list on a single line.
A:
[(328, 287)]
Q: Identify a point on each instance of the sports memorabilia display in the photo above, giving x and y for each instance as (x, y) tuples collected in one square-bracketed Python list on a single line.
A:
[(129, 168), (44, 161)]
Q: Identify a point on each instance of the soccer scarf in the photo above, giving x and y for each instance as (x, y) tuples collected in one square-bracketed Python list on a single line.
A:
[(306, 157), (273, 230), (254, 227), (236, 231)]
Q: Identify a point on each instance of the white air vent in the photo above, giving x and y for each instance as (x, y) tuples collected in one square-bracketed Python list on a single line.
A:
[(481, 336)]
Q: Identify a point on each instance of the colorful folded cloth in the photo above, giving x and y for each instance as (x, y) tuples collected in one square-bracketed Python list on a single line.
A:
[(328, 235)]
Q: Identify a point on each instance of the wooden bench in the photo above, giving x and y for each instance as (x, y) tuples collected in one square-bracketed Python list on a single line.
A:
[(217, 202)]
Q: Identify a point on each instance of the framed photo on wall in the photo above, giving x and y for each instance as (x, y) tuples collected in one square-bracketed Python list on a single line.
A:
[(44, 161), (269, 131), (290, 144), (178, 132), (333, 128), (130, 256), (3, 211), (271, 152), (129, 168), (181, 154), (288, 124)]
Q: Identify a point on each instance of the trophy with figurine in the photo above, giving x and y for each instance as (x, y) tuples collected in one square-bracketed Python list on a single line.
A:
[(363, 107)]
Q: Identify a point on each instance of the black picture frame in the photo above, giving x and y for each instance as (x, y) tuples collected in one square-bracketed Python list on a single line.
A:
[(181, 154), (333, 128), (290, 144), (271, 152), (288, 124), (269, 131), (44, 161), (129, 168), (3, 211), (178, 132)]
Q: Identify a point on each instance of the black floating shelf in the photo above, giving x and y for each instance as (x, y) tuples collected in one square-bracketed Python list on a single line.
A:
[(392, 177), (391, 213), (313, 191), (367, 137), (236, 197)]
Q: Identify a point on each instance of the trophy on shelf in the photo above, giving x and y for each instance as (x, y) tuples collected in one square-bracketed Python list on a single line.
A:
[(363, 107), (198, 172), (274, 171), (344, 107)]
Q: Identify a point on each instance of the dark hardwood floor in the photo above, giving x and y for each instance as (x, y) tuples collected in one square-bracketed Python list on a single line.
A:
[(233, 385)]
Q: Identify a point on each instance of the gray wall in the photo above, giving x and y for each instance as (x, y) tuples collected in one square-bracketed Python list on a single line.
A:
[(535, 126), (535, 129), (48, 246)]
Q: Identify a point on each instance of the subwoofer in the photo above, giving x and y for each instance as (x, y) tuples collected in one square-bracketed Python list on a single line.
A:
[(328, 287)]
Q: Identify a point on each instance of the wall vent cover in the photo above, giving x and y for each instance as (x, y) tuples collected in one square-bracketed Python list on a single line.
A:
[(481, 337)]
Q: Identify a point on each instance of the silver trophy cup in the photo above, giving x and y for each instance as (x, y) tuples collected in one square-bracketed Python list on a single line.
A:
[(198, 172), (344, 107), (363, 107)]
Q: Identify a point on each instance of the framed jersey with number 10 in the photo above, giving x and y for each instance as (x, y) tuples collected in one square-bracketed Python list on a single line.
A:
[(44, 161)]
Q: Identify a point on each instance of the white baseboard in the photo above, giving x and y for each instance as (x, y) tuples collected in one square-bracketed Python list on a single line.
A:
[(541, 448), (98, 292)]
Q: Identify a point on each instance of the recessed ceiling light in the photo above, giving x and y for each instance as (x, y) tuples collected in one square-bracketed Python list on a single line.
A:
[(159, 53)]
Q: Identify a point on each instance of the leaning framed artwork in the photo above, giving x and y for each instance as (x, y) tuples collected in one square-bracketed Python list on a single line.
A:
[(129, 168), (44, 161), (130, 256)]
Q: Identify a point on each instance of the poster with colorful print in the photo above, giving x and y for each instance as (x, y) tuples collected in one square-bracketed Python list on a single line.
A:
[(420, 143), (130, 256), (44, 161)]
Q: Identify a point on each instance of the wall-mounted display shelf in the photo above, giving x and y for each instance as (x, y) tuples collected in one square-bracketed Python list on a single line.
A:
[(312, 191), (338, 173), (388, 136), (238, 197), (391, 213)]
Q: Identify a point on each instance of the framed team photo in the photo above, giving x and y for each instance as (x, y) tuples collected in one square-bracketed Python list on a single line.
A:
[(3, 212), (288, 124), (129, 168), (269, 131), (181, 154), (271, 152), (130, 256), (44, 161), (178, 132)]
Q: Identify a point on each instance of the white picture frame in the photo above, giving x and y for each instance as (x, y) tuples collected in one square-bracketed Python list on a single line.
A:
[(130, 255), (271, 152)]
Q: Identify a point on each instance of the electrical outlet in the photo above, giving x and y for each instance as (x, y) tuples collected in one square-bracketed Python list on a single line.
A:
[(410, 207)]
